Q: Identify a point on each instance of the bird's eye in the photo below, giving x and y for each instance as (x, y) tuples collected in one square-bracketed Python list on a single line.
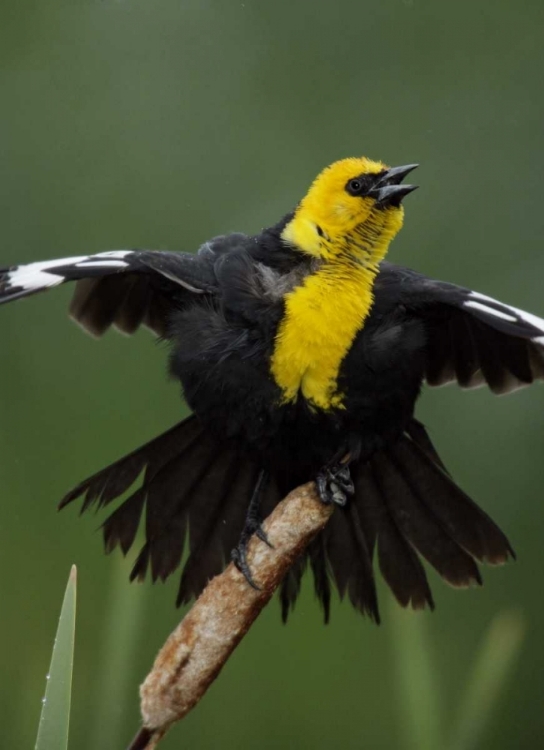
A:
[(356, 186)]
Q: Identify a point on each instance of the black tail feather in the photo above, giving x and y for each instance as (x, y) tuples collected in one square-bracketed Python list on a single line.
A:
[(419, 435), (405, 503), (226, 494), (207, 556), (418, 525), (290, 587), (197, 491), (121, 527), (467, 524), (191, 488), (408, 503), (318, 562), (362, 587), (110, 483), (398, 562), (350, 562)]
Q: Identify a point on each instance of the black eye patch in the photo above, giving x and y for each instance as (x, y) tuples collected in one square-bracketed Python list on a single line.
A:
[(360, 185)]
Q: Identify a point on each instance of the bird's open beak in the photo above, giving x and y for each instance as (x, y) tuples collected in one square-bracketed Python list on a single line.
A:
[(388, 191)]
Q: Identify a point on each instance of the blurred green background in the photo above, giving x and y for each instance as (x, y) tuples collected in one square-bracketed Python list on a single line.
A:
[(158, 124)]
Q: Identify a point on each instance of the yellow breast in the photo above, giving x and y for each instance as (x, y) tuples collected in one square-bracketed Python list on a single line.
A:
[(321, 320)]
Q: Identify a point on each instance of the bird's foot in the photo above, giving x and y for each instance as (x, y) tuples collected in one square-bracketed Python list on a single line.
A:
[(239, 553), (334, 484)]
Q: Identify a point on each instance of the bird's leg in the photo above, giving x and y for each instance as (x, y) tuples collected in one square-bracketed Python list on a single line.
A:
[(334, 483), (252, 525)]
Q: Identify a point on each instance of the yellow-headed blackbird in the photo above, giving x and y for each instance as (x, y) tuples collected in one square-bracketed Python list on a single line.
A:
[(301, 353)]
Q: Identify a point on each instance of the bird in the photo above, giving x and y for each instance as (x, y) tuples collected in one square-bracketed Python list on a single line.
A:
[(301, 353)]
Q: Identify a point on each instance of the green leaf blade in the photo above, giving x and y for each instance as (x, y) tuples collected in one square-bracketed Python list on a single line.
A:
[(492, 668), (420, 705), (55, 715)]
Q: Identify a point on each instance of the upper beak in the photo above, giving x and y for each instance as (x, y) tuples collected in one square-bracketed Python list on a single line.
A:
[(388, 191)]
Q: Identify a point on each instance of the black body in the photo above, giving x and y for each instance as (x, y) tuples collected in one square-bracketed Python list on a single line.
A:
[(220, 310)]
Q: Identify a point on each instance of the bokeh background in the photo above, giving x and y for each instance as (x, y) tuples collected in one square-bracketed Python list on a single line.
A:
[(130, 123)]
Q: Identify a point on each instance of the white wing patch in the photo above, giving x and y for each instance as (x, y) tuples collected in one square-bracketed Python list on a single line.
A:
[(490, 311), (509, 313), (102, 264), (41, 275)]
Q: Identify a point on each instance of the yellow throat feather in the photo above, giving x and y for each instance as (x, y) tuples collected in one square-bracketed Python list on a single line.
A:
[(350, 235)]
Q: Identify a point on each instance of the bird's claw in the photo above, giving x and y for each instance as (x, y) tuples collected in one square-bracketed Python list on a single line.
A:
[(239, 553), (334, 485), (239, 558)]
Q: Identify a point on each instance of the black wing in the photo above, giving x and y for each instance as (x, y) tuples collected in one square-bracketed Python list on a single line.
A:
[(471, 339), (125, 288)]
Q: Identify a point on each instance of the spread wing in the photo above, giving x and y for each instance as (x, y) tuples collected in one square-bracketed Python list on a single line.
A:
[(125, 288), (471, 339)]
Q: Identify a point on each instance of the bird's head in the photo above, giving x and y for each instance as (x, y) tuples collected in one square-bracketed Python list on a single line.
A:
[(352, 209)]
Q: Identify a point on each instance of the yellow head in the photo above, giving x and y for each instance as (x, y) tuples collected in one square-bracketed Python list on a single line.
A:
[(352, 211)]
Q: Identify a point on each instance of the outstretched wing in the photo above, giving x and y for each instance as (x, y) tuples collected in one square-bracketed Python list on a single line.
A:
[(471, 339), (125, 288)]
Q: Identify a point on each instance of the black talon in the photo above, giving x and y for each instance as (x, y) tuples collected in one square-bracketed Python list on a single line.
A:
[(252, 526), (334, 484), (344, 475), (239, 558), (261, 534)]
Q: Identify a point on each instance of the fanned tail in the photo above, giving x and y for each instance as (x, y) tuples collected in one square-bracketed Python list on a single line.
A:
[(197, 489), (406, 505), (193, 489)]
